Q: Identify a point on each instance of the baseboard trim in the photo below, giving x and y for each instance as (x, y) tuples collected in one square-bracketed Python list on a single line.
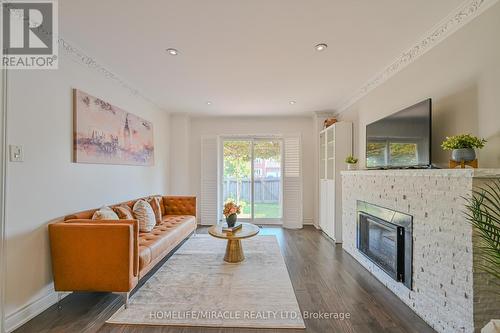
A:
[(308, 221), (328, 237), (31, 310)]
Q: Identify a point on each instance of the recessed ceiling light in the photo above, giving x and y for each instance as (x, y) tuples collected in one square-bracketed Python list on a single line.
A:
[(173, 52), (321, 47), (209, 103), (292, 102)]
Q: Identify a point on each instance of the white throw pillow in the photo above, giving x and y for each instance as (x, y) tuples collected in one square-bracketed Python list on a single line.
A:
[(104, 213), (144, 215)]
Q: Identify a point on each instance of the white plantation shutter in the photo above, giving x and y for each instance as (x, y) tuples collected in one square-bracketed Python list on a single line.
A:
[(208, 200), (292, 182)]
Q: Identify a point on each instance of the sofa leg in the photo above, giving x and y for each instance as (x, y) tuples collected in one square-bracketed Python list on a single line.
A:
[(59, 298), (126, 298)]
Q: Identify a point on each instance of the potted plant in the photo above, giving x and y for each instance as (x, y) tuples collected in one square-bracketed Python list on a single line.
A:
[(231, 211), (351, 162), (483, 213), (462, 146)]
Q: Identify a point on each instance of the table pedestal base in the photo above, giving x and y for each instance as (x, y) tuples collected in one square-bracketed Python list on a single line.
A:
[(234, 251)]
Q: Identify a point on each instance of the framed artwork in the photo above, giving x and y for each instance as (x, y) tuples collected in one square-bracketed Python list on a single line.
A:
[(106, 134)]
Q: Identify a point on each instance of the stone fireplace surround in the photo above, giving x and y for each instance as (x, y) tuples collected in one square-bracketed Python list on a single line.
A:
[(447, 292)]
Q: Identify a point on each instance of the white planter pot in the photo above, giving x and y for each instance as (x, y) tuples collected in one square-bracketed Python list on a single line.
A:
[(352, 166)]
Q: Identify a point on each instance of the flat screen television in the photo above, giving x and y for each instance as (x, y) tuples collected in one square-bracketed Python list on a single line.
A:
[(401, 140)]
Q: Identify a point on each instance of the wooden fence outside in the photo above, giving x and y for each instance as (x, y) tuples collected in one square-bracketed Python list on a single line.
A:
[(266, 190)]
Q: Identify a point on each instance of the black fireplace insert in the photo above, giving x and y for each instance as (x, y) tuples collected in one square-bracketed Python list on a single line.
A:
[(385, 237)]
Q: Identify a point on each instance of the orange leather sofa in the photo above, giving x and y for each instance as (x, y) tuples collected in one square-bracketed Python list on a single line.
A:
[(90, 255)]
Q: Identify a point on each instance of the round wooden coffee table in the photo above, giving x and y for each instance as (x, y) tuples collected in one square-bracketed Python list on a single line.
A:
[(234, 250)]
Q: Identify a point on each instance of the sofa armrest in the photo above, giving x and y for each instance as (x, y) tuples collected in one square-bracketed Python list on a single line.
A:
[(94, 256), (179, 205)]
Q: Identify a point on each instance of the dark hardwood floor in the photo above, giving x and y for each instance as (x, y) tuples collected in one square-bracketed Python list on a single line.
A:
[(325, 279)]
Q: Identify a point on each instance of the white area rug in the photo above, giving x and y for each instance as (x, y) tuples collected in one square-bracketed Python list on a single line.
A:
[(195, 287)]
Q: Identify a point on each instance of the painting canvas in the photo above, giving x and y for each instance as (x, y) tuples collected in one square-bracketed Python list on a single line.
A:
[(104, 133)]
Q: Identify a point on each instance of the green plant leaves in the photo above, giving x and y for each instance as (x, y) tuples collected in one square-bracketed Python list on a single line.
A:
[(483, 212), (463, 141)]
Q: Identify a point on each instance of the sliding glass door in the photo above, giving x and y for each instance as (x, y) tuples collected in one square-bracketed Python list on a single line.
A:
[(267, 179), (252, 177), (237, 178)]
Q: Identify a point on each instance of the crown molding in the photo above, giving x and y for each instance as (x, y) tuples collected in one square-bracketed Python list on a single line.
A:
[(78, 56), (457, 19), (319, 114)]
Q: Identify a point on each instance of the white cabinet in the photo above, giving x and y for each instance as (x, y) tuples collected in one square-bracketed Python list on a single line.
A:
[(327, 211), (335, 144)]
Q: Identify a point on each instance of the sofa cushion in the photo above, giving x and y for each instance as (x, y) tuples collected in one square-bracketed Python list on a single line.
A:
[(155, 205), (173, 220), (124, 212), (145, 215), (104, 213), (144, 255), (163, 238), (162, 205)]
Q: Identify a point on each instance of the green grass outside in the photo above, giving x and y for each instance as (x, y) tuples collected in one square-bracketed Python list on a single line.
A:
[(263, 210)]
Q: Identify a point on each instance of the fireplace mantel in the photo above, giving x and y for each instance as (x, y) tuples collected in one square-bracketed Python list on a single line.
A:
[(447, 292), (452, 173)]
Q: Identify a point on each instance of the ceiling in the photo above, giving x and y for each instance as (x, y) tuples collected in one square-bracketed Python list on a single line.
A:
[(247, 57)]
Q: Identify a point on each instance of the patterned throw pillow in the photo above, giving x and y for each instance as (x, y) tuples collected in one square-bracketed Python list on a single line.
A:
[(144, 215), (163, 212), (155, 204), (124, 212), (104, 213)]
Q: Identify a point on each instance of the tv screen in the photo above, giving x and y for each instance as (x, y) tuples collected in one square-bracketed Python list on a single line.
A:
[(401, 140)]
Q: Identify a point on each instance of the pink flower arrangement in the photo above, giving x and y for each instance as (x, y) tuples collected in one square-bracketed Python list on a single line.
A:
[(231, 208)]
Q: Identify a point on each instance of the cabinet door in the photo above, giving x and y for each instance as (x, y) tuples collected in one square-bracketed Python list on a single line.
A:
[(330, 188), (330, 153), (322, 155), (329, 197), (323, 203)]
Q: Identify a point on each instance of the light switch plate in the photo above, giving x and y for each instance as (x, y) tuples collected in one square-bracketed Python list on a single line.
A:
[(16, 153)]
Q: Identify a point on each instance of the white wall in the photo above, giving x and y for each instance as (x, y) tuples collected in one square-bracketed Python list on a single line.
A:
[(200, 126), (48, 185), (461, 75), (180, 131)]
